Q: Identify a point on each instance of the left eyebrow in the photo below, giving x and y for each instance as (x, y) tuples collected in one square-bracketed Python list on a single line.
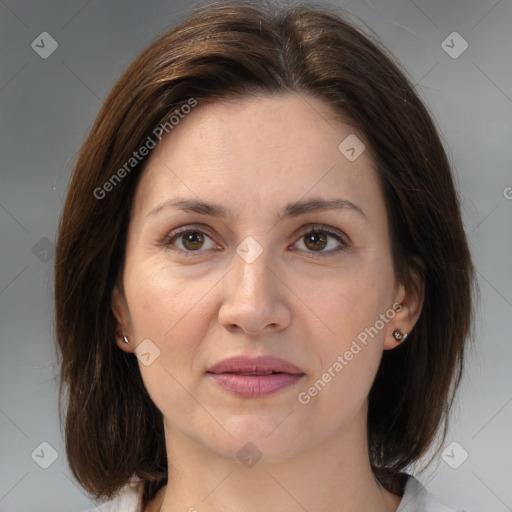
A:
[(291, 210), (319, 204)]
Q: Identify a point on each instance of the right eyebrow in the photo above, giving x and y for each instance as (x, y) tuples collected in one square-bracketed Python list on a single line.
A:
[(192, 205)]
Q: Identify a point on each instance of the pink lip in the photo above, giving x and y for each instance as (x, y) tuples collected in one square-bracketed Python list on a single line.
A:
[(229, 373)]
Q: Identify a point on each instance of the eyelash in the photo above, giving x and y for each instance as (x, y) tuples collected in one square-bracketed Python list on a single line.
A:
[(168, 240)]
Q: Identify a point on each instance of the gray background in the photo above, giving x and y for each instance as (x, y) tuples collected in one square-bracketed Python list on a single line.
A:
[(47, 107)]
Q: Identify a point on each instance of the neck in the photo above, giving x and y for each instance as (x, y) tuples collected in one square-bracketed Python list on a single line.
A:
[(333, 475)]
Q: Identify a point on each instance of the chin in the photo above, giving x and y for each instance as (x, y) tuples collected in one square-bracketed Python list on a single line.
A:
[(264, 437)]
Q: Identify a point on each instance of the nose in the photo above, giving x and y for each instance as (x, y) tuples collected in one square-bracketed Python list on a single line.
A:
[(255, 298)]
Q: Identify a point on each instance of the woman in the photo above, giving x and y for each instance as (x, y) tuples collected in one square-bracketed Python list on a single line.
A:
[(263, 285)]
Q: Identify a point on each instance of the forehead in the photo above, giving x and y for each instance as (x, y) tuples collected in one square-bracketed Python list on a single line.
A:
[(266, 148)]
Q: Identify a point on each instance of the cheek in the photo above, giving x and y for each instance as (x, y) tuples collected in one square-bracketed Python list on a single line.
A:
[(351, 299), (172, 312), (160, 298), (352, 308), (168, 311)]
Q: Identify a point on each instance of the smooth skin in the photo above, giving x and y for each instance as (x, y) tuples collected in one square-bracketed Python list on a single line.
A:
[(302, 300)]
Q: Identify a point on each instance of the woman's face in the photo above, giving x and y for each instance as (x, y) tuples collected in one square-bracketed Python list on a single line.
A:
[(246, 277)]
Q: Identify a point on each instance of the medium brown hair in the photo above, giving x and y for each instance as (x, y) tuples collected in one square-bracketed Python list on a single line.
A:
[(236, 49)]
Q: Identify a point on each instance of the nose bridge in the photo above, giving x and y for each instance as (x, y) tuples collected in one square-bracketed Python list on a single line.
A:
[(252, 275), (254, 297)]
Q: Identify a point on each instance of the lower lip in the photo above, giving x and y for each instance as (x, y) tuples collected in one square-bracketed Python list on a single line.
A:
[(255, 386)]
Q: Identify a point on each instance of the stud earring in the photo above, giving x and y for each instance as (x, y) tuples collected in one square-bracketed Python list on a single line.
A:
[(125, 338), (399, 335)]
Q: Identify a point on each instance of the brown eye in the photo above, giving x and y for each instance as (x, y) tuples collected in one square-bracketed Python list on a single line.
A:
[(189, 241), (322, 241), (192, 240), (315, 241)]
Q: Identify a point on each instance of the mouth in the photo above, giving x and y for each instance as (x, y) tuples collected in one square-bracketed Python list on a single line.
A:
[(253, 373), (254, 377), (254, 365)]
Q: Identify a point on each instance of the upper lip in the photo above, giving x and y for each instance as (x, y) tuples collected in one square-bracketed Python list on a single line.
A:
[(251, 364)]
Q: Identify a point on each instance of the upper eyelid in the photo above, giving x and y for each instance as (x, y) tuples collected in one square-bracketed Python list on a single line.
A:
[(188, 229)]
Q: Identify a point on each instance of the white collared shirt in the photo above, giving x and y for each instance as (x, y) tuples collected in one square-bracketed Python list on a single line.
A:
[(415, 499)]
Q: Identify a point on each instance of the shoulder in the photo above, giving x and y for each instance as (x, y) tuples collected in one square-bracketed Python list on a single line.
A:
[(128, 499), (417, 499)]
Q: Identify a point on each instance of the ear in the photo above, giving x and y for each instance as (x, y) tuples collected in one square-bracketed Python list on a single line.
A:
[(122, 315), (409, 303)]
